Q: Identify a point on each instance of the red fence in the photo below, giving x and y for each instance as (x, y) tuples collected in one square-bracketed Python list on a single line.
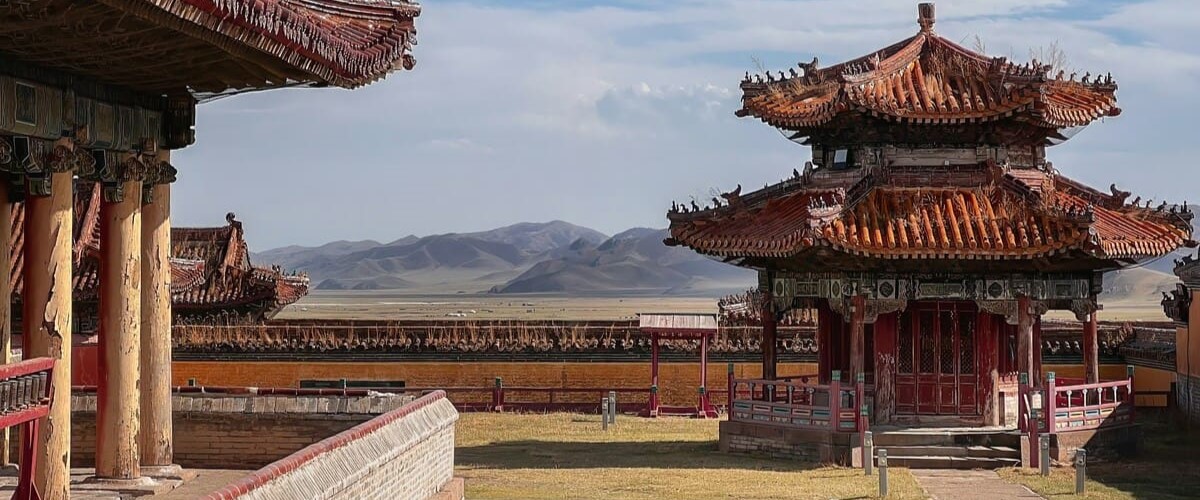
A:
[(798, 403), (1072, 404)]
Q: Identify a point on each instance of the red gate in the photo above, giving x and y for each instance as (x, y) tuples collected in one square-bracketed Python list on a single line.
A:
[(936, 359)]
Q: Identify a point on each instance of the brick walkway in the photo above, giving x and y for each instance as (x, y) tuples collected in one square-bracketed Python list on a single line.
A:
[(968, 484)]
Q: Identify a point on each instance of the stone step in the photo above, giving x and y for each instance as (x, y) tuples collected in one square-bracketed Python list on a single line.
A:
[(945, 462), (954, 451), (957, 439)]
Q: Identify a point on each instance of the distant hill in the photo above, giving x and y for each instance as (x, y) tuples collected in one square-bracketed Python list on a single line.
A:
[(439, 263), (632, 261)]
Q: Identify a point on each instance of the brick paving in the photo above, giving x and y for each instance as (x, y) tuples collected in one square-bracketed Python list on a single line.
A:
[(942, 484)]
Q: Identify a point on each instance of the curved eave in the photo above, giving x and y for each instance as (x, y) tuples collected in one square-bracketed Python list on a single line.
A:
[(345, 43)]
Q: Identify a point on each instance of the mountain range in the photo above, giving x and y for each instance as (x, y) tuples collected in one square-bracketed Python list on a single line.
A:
[(559, 257), (553, 256)]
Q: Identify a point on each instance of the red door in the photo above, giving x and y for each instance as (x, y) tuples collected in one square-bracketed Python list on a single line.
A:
[(936, 371)]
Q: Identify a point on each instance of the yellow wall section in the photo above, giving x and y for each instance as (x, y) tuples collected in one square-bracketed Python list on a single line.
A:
[(1187, 342), (677, 381)]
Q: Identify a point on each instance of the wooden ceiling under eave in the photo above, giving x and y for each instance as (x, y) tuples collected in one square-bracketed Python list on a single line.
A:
[(212, 46)]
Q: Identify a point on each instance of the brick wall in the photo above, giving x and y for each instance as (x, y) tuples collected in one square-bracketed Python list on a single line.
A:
[(217, 431), (406, 453), (677, 381)]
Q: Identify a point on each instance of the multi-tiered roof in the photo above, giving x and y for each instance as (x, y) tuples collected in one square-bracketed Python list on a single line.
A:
[(928, 150), (211, 273)]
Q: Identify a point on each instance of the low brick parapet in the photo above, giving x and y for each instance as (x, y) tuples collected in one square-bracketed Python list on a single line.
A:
[(405, 453)]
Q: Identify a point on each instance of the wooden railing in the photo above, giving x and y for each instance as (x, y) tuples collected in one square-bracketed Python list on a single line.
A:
[(792, 403), (1073, 405), (25, 395)]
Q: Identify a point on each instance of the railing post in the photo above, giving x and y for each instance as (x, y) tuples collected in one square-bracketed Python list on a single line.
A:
[(860, 398), (1080, 470), (604, 414), (1044, 455), (835, 400), (342, 385), (1051, 396), (883, 474), (1132, 404), (498, 395), (730, 388), (612, 404), (1022, 395), (868, 452)]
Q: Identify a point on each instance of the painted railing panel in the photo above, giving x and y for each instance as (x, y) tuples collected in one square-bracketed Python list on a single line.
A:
[(1073, 405), (793, 403)]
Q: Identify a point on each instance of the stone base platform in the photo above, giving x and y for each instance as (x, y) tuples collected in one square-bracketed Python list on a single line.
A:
[(786, 443), (1106, 443), (84, 486)]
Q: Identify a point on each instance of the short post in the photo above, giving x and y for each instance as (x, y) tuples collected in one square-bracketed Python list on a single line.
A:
[(868, 452), (1080, 470), (1044, 459), (612, 404), (191, 382), (731, 389), (498, 395), (604, 414), (653, 410), (883, 479), (1132, 400), (342, 385)]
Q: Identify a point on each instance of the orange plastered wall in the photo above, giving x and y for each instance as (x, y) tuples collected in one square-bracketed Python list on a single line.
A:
[(678, 382), (1187, 341)]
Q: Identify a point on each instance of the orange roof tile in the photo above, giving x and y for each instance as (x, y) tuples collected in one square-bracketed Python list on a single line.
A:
[(928, 79), (998, 220)]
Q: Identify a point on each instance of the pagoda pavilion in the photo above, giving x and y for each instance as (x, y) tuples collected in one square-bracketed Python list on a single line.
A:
[(102, 91), (928, 230)]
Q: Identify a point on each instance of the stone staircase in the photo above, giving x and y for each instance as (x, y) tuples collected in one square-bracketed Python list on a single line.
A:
[(950, 449)]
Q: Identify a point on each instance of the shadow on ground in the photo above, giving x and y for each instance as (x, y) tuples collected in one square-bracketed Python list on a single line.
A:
[(584, 455), (1168, 466)]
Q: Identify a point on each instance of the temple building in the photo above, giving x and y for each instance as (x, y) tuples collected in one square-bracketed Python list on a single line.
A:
[(103, 92), (212, 279), (929, 231)]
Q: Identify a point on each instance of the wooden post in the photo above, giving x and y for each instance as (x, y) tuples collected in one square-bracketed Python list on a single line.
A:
[(6, 249), (117, 398), (654, 403), (46, 321), (768, 338), (1025, 347), (1091, 351), (858, 303), (156, 440)]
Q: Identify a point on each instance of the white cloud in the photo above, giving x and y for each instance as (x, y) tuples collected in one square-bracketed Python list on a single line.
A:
[(603, 115)]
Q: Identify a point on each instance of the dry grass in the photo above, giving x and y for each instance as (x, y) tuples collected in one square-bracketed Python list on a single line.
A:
[(1166, 469), (567, 456)]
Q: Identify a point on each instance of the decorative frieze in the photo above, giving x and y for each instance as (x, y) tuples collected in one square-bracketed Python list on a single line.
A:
[(786, 287), (1009, 309)]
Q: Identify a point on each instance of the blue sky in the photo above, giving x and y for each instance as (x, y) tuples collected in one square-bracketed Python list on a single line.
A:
[(602, 112)]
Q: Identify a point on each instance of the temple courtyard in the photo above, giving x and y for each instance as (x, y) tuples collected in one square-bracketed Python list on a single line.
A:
[(560, 455)]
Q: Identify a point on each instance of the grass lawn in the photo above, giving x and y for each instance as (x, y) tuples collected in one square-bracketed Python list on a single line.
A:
[(1166, 469), (560, 455)]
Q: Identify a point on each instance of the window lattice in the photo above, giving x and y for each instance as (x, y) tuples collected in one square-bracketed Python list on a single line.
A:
[(966, 344), (946, 355), (904, 355), (928, 342)]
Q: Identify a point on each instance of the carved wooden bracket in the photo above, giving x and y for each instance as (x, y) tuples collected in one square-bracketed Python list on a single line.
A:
[(1083, 308), (1008, 309), (874, 308), (114, 176)]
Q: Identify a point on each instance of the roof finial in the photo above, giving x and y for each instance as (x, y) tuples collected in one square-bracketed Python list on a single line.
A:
[(925, 16)]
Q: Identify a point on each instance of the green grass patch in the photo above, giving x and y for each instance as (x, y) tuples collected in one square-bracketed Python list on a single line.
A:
[(510, 456)]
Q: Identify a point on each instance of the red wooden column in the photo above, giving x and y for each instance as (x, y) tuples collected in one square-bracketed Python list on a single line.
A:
[(1025, 347), (156, 434), (1091, 352), (768, 338), (654, 401), (6, 212), (46, 307), (118, 398), (858, 305)]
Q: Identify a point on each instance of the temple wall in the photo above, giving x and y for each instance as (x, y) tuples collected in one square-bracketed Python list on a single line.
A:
[(677, 381), (405, 453), (240, 431)]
